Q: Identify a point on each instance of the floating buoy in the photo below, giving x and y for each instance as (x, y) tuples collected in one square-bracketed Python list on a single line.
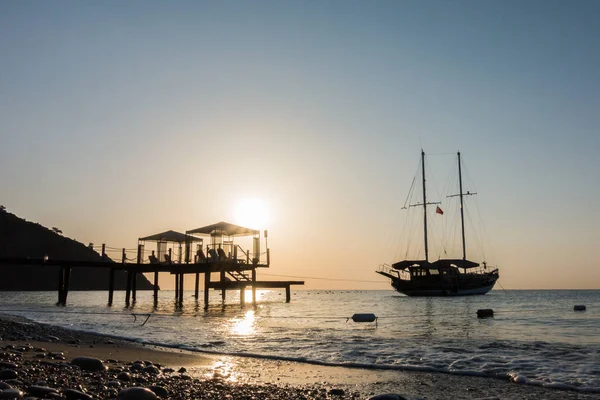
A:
[(485, 313), (579, 307), (364, 318)]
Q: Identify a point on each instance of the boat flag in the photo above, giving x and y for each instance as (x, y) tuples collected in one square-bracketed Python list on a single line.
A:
[(439, 210)]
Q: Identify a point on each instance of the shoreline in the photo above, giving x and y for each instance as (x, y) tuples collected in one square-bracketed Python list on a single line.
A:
[(264, 375)]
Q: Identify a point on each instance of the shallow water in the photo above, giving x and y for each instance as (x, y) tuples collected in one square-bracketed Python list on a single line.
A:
[(535, 337)]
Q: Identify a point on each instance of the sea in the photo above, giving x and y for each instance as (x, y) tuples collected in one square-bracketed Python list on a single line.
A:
[(535, 337)]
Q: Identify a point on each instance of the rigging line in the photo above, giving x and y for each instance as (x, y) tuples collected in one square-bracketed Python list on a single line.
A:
[(325, 279)]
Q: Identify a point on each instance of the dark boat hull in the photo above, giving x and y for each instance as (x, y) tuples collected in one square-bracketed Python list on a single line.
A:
[(466, 285)]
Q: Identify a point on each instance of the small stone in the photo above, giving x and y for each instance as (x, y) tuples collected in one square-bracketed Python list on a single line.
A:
[(10, 394), (88, 363), (136, 366), (151, 369), (40, 391), (159, 391), (113, 384), (4, 386), (72, 394), (182, 370), (136, 393), (337, 392), (124, 376), (9, 365), (8, 374), (390, 396)]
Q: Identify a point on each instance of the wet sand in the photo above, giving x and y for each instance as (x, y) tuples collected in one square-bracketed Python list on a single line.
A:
[(223, 376)]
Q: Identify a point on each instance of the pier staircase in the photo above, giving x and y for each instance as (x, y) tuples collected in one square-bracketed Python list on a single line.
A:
[(239, 276)]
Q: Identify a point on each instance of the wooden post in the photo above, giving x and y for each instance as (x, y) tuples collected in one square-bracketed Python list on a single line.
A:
[(206, 287), (176, 287), (128, 284), (128, 289), (67, 282), (181, 289), (111, 286), (223, 291), (197, 286), (61, 285), (288, 295), (243, 296), (135, 274), (254, 286), (103, 252), (155, 288)]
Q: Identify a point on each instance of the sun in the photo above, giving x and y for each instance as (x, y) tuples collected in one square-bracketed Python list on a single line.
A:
[(251, 213)]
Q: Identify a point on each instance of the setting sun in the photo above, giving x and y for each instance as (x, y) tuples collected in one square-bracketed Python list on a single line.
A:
[(251, 213)]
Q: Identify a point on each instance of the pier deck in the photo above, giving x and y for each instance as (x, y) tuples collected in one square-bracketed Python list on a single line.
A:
[(233, 276)]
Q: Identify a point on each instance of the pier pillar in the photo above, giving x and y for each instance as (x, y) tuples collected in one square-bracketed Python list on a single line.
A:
[(181, 289), (243, 296), (134, 282), (288, 294), (128, 289), (197, 286), (254, 286), (61, 285), (67, 283), (111, 286), (206, 287), (155, 288), (223, 291), (176, 287), (133, 286)]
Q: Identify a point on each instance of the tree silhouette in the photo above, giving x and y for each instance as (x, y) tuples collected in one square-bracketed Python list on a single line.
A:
[(56, 230)]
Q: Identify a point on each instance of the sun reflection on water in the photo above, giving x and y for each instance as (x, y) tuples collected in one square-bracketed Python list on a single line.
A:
[(245, 325), (224, 369)]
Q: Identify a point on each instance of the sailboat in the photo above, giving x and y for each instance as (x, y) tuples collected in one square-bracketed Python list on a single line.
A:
[(442, 277)]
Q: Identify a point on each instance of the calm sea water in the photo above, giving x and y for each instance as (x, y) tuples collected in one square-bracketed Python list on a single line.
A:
[(534, 338)]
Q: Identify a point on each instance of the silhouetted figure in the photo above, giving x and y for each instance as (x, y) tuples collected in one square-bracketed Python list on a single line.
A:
[(152, 258), (200, 257), (222, 255), (214, 257)]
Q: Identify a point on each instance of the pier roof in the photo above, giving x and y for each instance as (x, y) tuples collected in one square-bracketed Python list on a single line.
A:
[(224, 228), (169, 236)]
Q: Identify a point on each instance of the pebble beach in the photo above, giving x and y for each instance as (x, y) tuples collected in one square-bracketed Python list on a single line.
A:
[(39, 361)]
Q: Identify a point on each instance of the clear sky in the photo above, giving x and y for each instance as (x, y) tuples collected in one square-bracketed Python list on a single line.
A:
[(123, 119)]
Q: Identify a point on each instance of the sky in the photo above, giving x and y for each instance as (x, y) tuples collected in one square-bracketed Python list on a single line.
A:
[(123, 119)]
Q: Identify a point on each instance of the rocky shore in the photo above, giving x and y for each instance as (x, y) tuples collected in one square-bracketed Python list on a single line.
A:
[(45, 362)]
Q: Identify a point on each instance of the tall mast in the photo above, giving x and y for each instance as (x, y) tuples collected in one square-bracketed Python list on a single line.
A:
[(462, 213), (461, 195), (425, 206)]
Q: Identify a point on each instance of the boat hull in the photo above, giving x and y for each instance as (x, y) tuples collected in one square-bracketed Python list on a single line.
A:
[(475, 284)]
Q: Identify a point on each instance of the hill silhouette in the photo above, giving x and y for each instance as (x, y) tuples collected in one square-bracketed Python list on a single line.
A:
[(21, 238)]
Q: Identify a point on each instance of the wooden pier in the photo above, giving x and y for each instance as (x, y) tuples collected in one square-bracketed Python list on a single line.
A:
[(235, 273)]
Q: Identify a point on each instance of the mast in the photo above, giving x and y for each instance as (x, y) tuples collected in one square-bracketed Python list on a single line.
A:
[(462, 213), (461, 195), (425, 207)]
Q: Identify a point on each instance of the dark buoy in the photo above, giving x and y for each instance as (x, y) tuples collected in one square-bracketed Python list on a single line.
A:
[(364, 318), (579, 307), (485, 313)]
